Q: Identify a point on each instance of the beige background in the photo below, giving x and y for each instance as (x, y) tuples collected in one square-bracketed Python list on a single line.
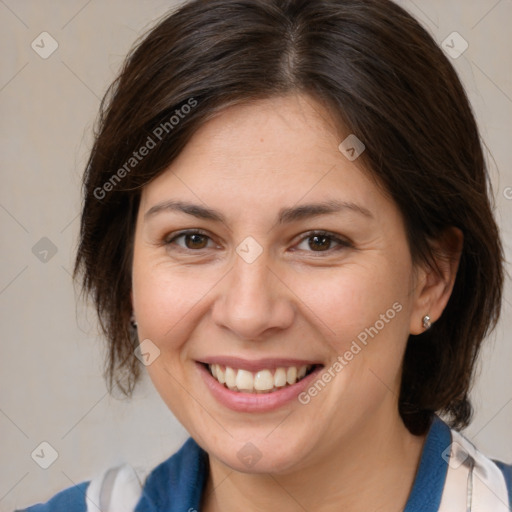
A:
[(51, 356)]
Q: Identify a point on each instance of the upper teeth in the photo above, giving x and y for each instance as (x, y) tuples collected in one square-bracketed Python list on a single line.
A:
[(261, 381)]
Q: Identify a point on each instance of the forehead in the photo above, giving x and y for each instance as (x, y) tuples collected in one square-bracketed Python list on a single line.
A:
[(265, 154), (283, 128)]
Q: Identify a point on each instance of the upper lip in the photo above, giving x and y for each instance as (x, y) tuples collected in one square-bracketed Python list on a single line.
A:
[(253, 365)]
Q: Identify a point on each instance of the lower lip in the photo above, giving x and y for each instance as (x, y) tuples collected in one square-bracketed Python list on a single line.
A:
[(255, 402)]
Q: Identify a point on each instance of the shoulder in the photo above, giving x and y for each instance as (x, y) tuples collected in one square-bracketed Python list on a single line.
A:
[(114, 489), (454, 475), (488, 482), (71, 499), (506, 469), (125, 488), (177, 483)]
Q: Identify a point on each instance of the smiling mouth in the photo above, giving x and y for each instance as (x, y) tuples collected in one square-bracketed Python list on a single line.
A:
[(262, 381)]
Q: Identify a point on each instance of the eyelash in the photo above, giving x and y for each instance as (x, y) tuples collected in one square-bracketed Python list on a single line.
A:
[(342, 243)]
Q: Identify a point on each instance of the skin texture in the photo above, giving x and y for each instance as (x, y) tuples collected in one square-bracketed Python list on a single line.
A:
[(199, 298)]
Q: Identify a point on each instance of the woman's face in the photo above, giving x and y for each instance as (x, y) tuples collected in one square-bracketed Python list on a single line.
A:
[(260, 296)]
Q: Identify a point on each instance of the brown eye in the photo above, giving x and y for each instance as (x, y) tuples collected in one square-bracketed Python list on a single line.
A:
[(323, 242), (193, 240), (196, 241), (320, 242)]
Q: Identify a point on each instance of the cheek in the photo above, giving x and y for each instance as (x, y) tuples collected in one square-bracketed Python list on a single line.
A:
[(350, 299), (164, 299), (162, 296)]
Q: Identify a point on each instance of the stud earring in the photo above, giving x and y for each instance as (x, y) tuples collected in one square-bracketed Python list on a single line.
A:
[(426, 322), (132, 321)]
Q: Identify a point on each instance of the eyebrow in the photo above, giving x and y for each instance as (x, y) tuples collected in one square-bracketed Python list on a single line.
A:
[(285, 216)]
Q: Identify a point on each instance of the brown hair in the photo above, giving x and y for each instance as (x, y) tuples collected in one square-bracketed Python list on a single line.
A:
[(384, 78)]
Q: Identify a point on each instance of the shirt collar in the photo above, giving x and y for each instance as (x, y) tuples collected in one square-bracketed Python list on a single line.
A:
[(178, 483), (429, 482)]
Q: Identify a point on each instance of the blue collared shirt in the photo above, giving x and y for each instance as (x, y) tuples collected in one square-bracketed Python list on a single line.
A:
[(176, 485)]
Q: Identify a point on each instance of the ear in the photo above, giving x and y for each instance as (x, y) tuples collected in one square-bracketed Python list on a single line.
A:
[(434, 285)]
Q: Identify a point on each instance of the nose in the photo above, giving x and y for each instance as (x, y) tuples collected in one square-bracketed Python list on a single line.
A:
[(254, 300)]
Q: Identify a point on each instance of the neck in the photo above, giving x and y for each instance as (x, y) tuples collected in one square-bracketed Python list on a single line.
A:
[(373, 467)]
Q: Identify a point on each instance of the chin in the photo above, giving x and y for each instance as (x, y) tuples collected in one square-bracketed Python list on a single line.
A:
[(260, 454)]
